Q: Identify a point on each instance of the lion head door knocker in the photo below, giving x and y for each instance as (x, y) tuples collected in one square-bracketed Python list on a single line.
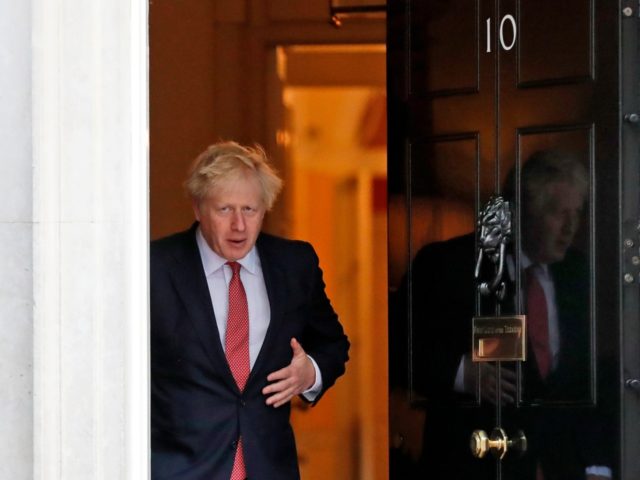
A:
[(494, 233)]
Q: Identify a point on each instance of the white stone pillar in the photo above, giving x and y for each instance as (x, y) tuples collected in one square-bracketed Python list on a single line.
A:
[(90, 240), (16, 295)]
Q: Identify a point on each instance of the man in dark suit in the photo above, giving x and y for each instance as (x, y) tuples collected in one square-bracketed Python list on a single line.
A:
[(563, 442), (240, 324)]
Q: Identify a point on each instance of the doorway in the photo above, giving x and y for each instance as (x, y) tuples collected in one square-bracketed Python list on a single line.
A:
[(332, 139)]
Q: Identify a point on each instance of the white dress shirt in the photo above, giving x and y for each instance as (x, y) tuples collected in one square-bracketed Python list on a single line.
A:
[(541, 271), (219, 275)]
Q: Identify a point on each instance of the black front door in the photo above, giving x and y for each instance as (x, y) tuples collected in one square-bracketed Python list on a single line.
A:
[(530, 102)]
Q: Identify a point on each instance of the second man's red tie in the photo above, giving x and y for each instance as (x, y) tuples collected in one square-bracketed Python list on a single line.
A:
[(538, 321)]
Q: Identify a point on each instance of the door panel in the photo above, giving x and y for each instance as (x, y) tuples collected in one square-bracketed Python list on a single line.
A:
[(452, 32), (555, 42), (574, 292), (538, 124)]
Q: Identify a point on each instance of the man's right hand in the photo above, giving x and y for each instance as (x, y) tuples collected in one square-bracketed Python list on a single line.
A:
[(292, 380), (488, 381)]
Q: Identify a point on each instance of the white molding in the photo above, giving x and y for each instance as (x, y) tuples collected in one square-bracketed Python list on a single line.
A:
[(90, 239), (46, 238), (138, 408)]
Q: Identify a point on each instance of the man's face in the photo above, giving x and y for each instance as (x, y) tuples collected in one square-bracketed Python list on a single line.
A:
[(231, 216), (548, 230)]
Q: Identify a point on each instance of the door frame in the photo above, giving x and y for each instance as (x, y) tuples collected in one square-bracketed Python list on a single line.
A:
[(630, 238), (89, 97)]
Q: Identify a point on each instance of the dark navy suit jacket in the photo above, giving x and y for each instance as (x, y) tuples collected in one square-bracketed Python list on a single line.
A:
[(197, 410)]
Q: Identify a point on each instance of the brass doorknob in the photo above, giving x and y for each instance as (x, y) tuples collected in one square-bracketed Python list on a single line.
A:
[(498, 443)]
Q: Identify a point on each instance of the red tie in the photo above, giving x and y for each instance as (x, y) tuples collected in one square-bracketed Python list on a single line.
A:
[(237, 350), (538, 322)]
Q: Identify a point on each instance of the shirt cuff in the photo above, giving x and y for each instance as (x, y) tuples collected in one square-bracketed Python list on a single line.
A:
[(311, 393), (599, 470)]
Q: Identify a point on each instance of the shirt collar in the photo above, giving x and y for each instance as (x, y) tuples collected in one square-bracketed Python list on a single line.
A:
[(525, 262), (212, 262)]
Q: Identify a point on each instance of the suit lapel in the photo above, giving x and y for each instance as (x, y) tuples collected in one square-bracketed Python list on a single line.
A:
[(274, 279), (191, 285)]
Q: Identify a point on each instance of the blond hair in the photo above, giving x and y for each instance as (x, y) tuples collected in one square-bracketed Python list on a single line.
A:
[(543, 168), (225, 161)]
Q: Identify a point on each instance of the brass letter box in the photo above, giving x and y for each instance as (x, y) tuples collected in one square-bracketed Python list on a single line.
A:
[(499, 338)]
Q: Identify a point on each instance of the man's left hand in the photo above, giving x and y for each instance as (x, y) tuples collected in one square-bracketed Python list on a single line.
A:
[(292, 380)]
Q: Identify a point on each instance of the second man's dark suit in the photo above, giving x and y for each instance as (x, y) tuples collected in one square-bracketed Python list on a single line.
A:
[(443, 302), (198, 412)]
